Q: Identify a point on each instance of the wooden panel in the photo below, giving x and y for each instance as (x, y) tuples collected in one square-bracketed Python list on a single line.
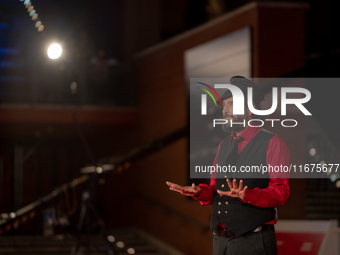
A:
[(281, 41), (30, 121), (63, 114), (6, 154), (223, 57)]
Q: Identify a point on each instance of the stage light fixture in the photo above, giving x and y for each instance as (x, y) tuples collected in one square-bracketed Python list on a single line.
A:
[(111, 238), (312, 152), (54, 51), (131, 251), (337, 184), (4, 216), (333, 178), (99, 170), (120, 244), (38, 24), (40, 28), (74, 86), (33, 13)]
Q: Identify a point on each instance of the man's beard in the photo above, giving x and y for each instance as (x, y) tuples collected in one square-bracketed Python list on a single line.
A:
[(236, 127)]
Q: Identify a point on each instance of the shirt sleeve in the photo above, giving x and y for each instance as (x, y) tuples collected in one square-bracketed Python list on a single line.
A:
[(207, 191), (277, 192)]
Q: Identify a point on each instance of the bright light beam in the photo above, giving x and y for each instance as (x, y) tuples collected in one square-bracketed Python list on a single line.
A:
[(54, 51)]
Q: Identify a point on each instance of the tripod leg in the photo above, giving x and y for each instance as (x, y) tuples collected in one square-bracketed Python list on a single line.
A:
[(83, 212), (88, 230), (103, 228)]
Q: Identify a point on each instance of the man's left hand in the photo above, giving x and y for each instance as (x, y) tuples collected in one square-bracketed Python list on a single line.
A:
[(235, 190)]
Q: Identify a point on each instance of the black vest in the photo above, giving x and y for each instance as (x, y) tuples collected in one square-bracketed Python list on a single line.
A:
[(237, 216)]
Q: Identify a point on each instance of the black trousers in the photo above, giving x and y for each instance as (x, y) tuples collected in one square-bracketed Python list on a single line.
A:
[(254, 243)]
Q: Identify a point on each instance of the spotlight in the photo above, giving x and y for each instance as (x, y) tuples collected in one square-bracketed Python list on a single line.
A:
[(54, 51)]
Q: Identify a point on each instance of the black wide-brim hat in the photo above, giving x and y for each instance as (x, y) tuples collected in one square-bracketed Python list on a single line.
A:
[(244, 83)]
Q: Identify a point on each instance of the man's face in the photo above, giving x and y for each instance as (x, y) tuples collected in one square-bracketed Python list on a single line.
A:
[(227, 112)]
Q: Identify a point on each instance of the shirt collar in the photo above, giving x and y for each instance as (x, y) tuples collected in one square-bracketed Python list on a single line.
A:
[(247, 134)]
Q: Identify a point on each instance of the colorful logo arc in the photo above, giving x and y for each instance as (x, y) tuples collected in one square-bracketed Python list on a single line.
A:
[(207, 91)]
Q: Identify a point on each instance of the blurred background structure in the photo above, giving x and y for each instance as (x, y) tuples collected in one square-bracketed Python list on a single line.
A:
[(120, 83)]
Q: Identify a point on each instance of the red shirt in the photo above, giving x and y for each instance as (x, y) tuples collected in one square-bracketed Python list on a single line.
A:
[(277, 191)]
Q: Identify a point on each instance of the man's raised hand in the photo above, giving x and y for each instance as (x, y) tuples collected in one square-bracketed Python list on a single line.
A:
[(235, 190), (190, 191)]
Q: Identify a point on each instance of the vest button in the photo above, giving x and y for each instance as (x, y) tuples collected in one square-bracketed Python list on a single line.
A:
[(225, 176), (222, 185), (219, 203), (226, 202), (226, 211), (219, 212)]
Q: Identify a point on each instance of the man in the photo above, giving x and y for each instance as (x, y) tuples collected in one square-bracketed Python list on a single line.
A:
[(243, 210)]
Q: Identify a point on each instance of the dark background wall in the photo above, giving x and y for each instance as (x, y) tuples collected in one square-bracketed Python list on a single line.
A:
[(150, 38)]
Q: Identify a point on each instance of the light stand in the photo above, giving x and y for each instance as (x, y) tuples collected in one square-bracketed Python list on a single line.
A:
[(87, 206), (87, 210)]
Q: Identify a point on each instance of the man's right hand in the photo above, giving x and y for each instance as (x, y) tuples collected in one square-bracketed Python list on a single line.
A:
[(191, 191)]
